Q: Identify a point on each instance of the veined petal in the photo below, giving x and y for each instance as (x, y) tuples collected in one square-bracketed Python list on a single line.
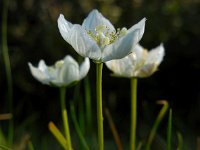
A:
[(84, 68), (94, 19), (64, 27), (122, 47), (83, 44), (156, 55), (39, 73)]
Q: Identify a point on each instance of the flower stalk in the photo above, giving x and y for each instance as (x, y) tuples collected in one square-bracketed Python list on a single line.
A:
[(99, 67), (133, 113), (65, 117)]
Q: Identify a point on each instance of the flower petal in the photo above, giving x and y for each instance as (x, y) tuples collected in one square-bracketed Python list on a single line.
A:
[(123, 67), (94, 19), (156, 55), (40, 72), (139, 26), (146, 70), (141, 55), (69, 72), (121, 47), (83, 44), (79, 39), (64, 27), (84, 68)]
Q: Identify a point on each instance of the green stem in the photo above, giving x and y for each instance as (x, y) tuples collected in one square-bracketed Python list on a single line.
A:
[(169, 130), (65, 117), (99, 67), (157, 123), (8, 68), (133, 113)]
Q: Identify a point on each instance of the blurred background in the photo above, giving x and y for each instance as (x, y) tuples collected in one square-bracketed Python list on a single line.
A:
[(33, 35)]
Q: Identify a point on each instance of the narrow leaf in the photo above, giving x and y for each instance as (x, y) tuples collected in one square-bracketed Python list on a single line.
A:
[(157, 123), (169, 130), (58, 135), (114, 130), (77, 127)]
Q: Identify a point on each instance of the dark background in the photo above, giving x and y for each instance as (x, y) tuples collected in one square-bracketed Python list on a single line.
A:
[(33, 35)]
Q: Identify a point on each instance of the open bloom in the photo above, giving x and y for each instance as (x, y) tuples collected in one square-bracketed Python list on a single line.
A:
[(141, 63), (97, 38), (62, 73)]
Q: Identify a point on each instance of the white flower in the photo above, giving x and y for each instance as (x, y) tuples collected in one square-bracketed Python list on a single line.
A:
[(63, 73), (97, 39), (141, 63)]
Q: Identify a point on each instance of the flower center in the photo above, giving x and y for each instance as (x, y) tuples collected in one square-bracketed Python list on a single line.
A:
[(59, 63), (103, 36)]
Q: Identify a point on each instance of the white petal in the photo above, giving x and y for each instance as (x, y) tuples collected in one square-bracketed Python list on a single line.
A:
[(123, 67), (146, 70), (121, 47), (83, 44), (64, 27), (39, 74), (156, 55), (140, 53), (94, 19), (84, 68), (139, 26), (69, 72)]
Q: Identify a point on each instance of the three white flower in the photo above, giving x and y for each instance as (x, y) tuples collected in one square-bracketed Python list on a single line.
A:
[(97, 39)]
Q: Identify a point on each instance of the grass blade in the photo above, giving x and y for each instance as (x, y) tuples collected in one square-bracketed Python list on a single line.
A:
[(180, 141), (157, 123), (58, 135), (169, 130), (114, 130), (78, 130), (88, 104), (4, 147), (6, 60)]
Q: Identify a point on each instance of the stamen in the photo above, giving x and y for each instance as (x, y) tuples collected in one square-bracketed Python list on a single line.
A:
[(103, 36)]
